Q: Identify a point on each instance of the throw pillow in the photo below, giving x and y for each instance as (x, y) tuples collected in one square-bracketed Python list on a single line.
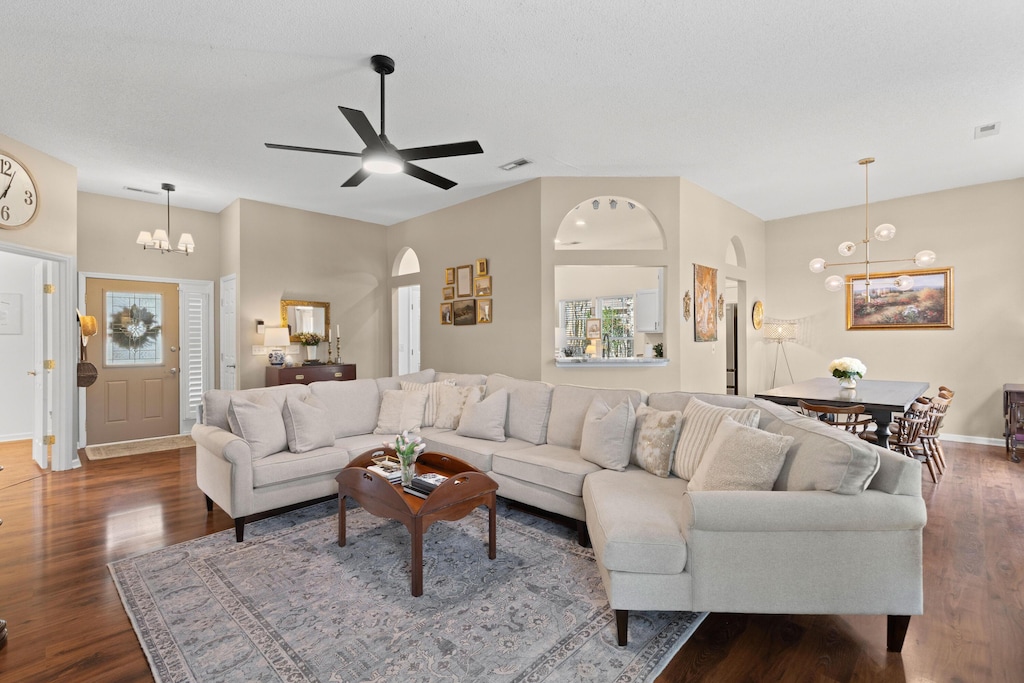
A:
[(260, 423), (700, 420), (608, 434), (307, 424), (433, 393), (452, 401), (740, 458), (400, 411), (485, 419), (656, 435)]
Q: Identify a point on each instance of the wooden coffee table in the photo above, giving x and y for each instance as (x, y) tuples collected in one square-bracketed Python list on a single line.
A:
[(466, 489)]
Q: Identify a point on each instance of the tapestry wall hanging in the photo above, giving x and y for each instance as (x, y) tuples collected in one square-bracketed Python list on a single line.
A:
[(705, 288)]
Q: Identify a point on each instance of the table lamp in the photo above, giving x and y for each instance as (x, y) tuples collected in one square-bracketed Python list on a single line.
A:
[(278, 339)]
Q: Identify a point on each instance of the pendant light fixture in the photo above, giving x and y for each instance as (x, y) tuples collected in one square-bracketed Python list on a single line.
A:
[(161, 239), (883, 233)]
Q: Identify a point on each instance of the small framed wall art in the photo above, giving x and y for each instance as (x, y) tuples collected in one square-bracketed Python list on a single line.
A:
[(464, 281), (593, 328), (464, 311), (483, 311), (481, 266), (449, 276), (482, 286), (446, 314), (447, 293)]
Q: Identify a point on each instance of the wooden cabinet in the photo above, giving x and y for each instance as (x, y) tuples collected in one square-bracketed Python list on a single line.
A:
[(305, 374)]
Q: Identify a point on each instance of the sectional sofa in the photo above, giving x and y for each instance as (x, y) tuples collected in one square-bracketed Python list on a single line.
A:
[(691, 501)]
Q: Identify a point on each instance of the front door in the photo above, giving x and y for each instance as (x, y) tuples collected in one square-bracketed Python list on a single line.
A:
[(135, 395)]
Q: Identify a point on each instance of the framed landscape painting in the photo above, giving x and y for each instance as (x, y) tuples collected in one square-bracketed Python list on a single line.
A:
[(928, 304), (464, 312)]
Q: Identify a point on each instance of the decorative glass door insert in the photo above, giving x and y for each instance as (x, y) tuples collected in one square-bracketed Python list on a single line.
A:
[(134, 328)]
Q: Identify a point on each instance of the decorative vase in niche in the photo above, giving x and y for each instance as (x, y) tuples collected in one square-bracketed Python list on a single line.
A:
[(848, 382), (311, 352)]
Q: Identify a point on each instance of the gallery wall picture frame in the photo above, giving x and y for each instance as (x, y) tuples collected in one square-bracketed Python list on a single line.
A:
[(927, 305), (481, 266), (705, 291), (482, 286), (446, 314), (484, 311), (10, 313), (593, 328), (463, 281), (464, 311), (449, 276), (447, 293)]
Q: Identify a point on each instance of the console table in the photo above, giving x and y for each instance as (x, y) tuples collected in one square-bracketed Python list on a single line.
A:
[(304, 374)]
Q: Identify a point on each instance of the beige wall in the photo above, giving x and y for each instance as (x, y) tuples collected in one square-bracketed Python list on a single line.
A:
[(979, 231), (291, 254), (54, 228), (108, 226), (501, 227)]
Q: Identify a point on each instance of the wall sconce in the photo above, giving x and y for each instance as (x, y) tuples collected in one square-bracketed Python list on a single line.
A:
[(721, 307), (687, 303)]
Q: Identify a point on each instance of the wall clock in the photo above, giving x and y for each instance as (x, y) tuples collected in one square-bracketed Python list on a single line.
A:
[(18, 197), (757, 315)]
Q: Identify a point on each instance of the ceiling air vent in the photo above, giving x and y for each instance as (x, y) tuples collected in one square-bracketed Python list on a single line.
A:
[(139, 189), (513, 165), (988, 130)]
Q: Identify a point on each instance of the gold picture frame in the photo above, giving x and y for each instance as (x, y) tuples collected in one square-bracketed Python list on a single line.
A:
[(464, 311), (927, 305), (294, 311), (482, 286), (484, 311), (705, 295), (446, 314), (464, 281), (481, 266), (447, 293), (449, 276)]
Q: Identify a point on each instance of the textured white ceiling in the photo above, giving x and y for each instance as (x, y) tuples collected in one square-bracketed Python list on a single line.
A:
[(767, 104)]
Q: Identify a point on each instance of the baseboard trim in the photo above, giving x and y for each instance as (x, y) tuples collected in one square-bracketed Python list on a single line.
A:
[(4, 438), (980, 440)]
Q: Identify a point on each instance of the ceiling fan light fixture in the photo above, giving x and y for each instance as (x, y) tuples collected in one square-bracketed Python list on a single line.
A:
[(383, 163)]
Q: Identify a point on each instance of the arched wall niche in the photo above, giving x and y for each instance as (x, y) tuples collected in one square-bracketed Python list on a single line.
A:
[(406, 262), (609, 222)]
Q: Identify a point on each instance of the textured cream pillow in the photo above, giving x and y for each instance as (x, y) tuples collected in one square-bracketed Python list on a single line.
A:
[(452, 401), (400, 411), (655, 441), (700, 420), (608, 434), (433, 392), (485, 419), (307, 424), (260, 423), (740, 458)]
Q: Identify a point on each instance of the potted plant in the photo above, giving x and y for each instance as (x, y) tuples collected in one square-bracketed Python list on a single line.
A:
[(311, 340)]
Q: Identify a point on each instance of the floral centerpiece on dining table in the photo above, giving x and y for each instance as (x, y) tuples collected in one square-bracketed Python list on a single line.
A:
[(407, 448), (847, 371)]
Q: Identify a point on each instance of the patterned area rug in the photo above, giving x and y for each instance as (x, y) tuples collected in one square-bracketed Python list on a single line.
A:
[(123, 448), (289, 605)]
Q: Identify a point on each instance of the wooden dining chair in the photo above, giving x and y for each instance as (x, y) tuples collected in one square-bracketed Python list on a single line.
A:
[(906, 432), (849, 418), (930, 434)]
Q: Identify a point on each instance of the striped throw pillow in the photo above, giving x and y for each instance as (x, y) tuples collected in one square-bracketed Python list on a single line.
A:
[(700, 422), (433, 396)]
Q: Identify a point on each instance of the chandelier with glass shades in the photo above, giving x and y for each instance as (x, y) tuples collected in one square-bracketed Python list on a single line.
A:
[(161, 239), (883, 233)]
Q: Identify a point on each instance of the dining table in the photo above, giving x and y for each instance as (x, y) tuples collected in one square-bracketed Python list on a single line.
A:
[(880, 398)]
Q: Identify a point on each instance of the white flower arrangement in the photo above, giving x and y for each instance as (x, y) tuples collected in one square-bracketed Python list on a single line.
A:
[(847, 367), (407, 447)]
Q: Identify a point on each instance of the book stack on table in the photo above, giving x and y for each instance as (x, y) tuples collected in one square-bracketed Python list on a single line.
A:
[(389, 468), (423, 484)]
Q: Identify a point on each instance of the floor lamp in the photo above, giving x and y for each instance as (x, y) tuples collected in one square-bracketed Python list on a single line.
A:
[(781, 331)]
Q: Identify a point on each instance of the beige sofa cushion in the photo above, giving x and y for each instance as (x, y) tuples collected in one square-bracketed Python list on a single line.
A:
[(569, 405), (636, 522), (529, 405), (401, 411), (452, 401), (555, 467), (260, 423), (395, 383), (433, 390), (700, 421), (485, 419), (307, 424), (352, 406), (477, 452), (284, 467), (608, 434), (215, 401), (657, 432), (461, 379), (740, 458)]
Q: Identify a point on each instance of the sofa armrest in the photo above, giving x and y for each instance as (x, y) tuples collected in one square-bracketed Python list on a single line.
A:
[(223, 444), (801, 511)]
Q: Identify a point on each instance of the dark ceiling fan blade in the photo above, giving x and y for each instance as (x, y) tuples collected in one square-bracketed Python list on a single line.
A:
[(271, 145), (455, 149), (357, 178), (426, 176), (361, 124)]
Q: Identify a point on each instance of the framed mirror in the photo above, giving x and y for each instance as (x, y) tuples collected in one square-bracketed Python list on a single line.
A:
[(305, 316)]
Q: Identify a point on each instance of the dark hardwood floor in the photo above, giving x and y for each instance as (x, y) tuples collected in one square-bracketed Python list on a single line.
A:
[(66, 621)]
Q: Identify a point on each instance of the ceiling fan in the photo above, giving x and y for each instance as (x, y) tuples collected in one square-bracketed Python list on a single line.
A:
[(380, 156)]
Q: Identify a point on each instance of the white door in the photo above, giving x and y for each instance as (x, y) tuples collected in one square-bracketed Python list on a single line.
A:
[(196, 358), (408, 329), (228, 333), (42, 367), (414, 328)]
